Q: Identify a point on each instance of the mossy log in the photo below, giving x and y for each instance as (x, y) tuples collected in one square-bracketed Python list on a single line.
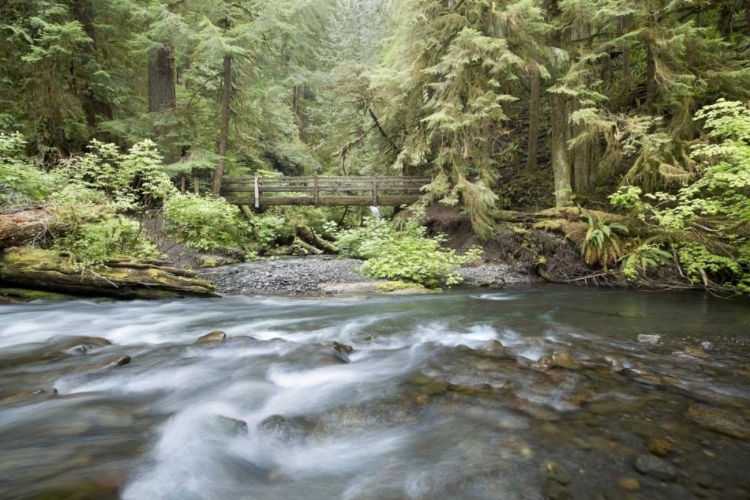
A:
[(36, 269), (308, 235), (569, 213), (22, 224)]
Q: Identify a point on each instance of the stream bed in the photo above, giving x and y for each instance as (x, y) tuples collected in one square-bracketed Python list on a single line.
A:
[(524, 393)]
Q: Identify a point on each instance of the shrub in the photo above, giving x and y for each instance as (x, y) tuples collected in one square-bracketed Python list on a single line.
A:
[(407, 254), (204, 223), (21, 180)]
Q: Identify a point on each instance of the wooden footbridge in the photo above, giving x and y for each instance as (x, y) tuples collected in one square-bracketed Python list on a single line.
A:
[(323, 191)]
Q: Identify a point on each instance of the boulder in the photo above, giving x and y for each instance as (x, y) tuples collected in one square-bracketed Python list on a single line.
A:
[(232, 426), (494, 347), (731, 424), (628, 484), (211, 338), (656, 467)]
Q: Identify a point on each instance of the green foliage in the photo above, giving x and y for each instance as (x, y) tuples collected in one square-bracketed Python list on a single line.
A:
[(406, 254), (204, 223), (93, 243), (21, 178), (601, 244), (705, 221), (639, 261)]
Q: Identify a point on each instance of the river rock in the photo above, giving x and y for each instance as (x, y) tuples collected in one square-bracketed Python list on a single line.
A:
[(232, 426), (557, 360), (655, 467), (341, 351), (557, 473), (629, 484), (115, 362), (83, 345), (696, 352), (707, 346), (211, 338), (290, 428), (553, 490), (614, 364), (494, 347), (649, 339), (659, 447), (731, 424)]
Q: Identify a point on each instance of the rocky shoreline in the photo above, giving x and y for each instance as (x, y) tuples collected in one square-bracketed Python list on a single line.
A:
[(329, 275)]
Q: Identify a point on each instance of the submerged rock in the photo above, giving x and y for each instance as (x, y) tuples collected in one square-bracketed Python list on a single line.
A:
[(494, 347), (558, 360), (557, 473), (555, 491), (232, 426), (290, 428), (81, 491), (210, 338), (695, 352), (628, 484), (649, 339), (83, 345), (724, 422), (115, 362), (659, 447), (656, 467)]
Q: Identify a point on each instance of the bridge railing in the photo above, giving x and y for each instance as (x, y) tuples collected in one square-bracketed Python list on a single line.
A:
[(322, 191)]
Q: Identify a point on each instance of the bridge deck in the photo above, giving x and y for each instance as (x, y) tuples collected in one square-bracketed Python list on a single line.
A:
[(322, 191)]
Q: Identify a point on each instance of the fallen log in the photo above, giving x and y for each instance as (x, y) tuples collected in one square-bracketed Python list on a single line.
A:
[(36, 269), (569, 213), (19, 225), (308, 235)]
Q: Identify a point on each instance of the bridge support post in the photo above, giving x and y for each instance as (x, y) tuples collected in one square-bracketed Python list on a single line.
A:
[(257, 193)]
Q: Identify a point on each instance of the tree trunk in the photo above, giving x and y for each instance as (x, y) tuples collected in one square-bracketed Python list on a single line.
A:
[(726, 16), (20, 225), (559, 150), (535, 84), (651, 88), (486, 148), (161, 81), (93, 106), (626, 53), (226, 97), (162, 96)]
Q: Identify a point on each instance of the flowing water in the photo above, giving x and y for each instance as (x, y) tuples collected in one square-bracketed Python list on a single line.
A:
[(428, 407)]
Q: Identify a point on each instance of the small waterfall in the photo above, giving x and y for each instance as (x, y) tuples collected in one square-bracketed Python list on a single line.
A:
[(375, 212)]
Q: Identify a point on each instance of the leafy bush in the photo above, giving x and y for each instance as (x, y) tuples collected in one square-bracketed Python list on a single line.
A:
[(407, 254), (21, 179), (204, 223), (646, 256), (96, 242)]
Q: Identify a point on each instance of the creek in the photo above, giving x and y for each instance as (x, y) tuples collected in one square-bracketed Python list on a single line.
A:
[(524, 393)]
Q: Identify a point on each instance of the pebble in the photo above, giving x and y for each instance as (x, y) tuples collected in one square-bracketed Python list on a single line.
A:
[(305, 275), (649, 339)]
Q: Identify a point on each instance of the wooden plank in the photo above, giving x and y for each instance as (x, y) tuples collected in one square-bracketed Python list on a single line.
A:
[(329, 201), (323, 179), (312, 189)]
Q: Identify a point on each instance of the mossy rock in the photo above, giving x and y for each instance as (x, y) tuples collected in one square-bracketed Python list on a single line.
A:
[(404, 288)]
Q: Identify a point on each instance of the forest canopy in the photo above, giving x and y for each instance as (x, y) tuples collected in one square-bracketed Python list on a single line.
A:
[(636, 108)]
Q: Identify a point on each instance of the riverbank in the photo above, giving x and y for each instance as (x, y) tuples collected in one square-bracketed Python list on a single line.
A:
[(329, 275)]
